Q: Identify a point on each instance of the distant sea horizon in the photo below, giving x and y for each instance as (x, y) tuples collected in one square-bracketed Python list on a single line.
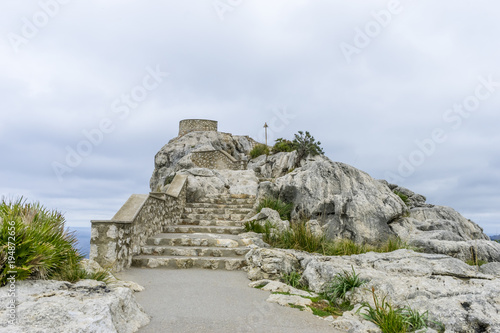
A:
[(83, 236)]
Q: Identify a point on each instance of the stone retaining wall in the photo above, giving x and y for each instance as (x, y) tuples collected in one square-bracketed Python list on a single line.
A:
[(114, 242), (217, 159), (191, 125)]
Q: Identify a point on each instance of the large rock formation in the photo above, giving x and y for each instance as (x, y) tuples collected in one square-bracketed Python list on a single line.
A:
[(347, 201), (85, 306), (344, 201), (454, 293)]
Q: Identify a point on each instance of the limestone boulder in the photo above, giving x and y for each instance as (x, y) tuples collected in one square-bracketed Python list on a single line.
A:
[(203, 183), (348, 201), (85, 306), (176, 155)]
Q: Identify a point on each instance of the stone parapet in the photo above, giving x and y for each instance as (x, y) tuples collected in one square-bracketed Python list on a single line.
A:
[(114, 242)]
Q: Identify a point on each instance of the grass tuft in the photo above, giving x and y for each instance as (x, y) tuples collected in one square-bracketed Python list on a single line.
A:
[(341, 284), (283, 208), (391, 319)]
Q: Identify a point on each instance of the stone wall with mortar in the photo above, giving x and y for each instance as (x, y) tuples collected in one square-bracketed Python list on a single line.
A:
[(191, 125), (114, 242), (217, 159)]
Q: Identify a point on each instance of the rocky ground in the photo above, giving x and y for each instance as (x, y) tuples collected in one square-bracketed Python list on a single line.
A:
[(464, 298), (82, 307)]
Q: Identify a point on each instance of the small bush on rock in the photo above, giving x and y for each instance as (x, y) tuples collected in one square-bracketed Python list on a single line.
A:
[(258, 150), (403, 197), (283, 145), (306, 145)]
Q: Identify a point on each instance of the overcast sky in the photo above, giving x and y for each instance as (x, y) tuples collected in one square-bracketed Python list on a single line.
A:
[(407, 91)]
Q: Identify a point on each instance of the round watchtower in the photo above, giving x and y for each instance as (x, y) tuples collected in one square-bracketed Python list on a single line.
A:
[(191, 125)]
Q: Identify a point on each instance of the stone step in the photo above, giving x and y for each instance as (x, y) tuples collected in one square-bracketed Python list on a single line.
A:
[(225, 217), (227, 200), (149, 261), (222, 205), (196, 239), (211, 229), (194, 251), (204, 222), (217, 210)]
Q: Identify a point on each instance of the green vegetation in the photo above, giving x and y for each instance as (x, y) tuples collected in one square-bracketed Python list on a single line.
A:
[(341, 284), (476, 262), (258, 150), (292, 279), (258, 227), (35, 245), (391, 319), (403, 197), (298, 237), (283, 145), (283, 208), (306, 145)]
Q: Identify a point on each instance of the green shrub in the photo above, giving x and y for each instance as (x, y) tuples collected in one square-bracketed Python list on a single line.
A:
[(403, 197), (34, 243), (258, 150), (306, 145), (283, 208), (391, 319), (283, 145), (341, 284)]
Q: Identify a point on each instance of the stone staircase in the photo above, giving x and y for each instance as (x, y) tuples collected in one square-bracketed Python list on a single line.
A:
[(206, 238)]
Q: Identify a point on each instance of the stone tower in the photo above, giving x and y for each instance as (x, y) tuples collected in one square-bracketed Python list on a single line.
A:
[(191, 125)]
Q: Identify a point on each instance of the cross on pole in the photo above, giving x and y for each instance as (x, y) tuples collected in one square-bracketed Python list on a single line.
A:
[(265, 126)]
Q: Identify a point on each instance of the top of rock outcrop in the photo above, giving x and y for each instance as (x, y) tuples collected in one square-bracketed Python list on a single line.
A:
[(345, 201)]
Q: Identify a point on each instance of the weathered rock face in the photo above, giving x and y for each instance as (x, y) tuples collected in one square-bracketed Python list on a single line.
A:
[(414, 199), (454, 293), (85, 306), (348, 201), (203, 183), (273, 166), (176, 155), (442, 230)]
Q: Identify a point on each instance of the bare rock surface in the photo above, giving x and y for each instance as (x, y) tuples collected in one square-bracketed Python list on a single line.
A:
[(348, 201), (83, 307), (202, 183), (442, 230), (463, 297)]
